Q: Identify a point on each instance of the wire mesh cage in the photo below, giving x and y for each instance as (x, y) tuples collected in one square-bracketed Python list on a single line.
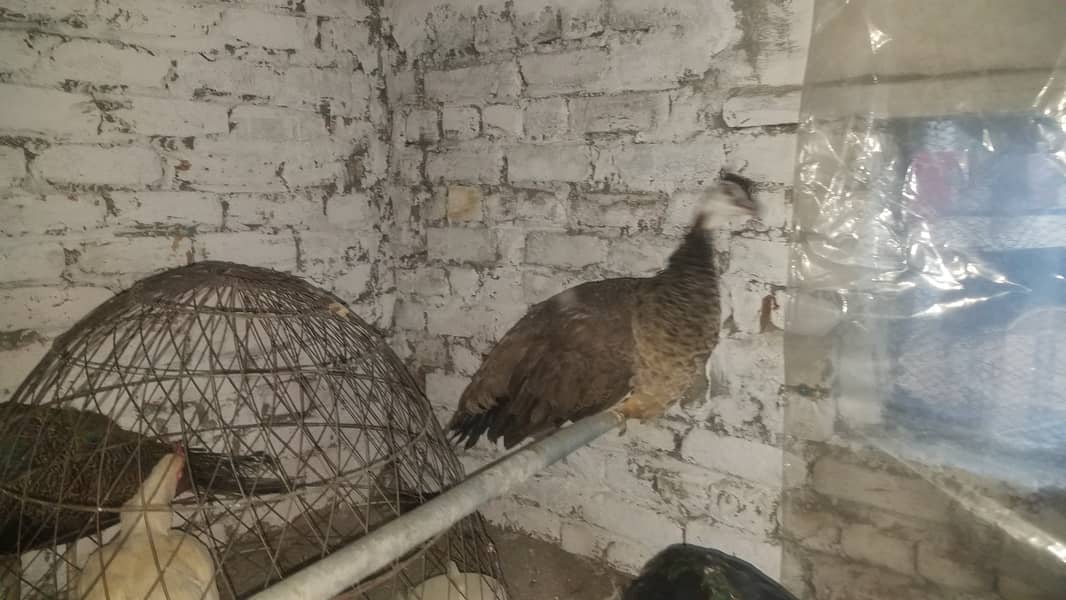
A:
[(300, 431)]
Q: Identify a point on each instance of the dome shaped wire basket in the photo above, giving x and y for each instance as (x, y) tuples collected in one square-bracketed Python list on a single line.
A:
[(303, 432)]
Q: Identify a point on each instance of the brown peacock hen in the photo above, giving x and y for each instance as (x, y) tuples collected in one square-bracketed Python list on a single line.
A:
[(643, 341), (54, 455)]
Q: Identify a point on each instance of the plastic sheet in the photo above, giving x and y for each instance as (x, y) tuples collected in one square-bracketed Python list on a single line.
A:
[(929, 267)]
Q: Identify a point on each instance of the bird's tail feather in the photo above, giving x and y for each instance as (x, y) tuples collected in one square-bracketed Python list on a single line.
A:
[(235, 474)]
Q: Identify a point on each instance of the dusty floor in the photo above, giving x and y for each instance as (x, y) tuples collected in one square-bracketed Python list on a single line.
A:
[(538, 570)]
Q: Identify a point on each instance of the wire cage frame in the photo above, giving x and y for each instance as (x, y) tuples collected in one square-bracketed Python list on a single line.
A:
[(302, 432)]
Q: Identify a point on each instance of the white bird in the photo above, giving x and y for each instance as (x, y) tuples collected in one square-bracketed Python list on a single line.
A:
[(456, 586), (148, 560)]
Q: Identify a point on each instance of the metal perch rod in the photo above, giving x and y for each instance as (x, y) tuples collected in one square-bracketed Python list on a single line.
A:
[(367, 555)]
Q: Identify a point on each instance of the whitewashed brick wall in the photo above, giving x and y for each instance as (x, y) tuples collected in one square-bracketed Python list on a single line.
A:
[(542, 143), (137, 135), (444, 164)]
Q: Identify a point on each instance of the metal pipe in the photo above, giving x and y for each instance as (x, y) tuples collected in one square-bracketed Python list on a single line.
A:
[(355, 562)]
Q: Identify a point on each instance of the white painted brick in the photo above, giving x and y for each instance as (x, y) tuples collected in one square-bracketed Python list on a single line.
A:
[(493, 32), (661, 14), (759, 259), (351, 37), (47, 307), (497, 82), (908, 496), (352, 212), (420, 126), (275, 124), (348, 9), (469, 162), (18, 364), (463, 359), (583, 539), (21, 51), (502, 120), (444, 389), (661, 167), (639, 255), (134, 255), (251, 248), (31, 260), (581, 18), (239, 165), (268, 30), (460, 122), (659, 60), (935, 566), (629, 556), (865, 543), (55, 9), (93, 165), (760, 108), (621, 515), (558, 249), (459, 244), (353, 283), (741, 505), (562, 73), (625, 112), (540, 285), (410, 315), (617, 210), (783, 59), (50, 214), (743, 458), (162, 23), (253, 211), (487, 286), (530, 207), (47, 111), (423, 281), (473, 321), (162, 209), (766, 158), (536, 24), (401, 86), (747, 373), (678, 119), (348, 92), (407, 164), (452, 32), (535, 163), (539, 522), (546, 119), (12, 166), (158, 116), (86, 60), (759, 552)]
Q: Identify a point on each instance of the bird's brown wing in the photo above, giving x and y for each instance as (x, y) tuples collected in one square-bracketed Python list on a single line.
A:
[(568, 357)]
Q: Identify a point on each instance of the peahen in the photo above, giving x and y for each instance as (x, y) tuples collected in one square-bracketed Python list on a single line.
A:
[(687, 572), (642, 340), (51, 456)]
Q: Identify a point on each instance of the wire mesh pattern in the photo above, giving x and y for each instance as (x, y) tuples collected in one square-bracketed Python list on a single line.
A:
[(302, 430)]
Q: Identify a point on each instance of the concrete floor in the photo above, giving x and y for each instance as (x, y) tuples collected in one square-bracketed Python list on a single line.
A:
[(538, 570)]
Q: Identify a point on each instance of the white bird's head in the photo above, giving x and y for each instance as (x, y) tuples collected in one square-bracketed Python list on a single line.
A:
[(728, 203)]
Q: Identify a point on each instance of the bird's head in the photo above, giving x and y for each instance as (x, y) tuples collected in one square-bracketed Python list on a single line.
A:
[(729, 202)]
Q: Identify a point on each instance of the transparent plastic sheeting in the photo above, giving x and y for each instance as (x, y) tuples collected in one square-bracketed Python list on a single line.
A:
[(930, 256)]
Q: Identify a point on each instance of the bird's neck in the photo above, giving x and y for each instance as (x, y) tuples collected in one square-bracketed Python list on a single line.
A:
[(691, 266), (136, 519)]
